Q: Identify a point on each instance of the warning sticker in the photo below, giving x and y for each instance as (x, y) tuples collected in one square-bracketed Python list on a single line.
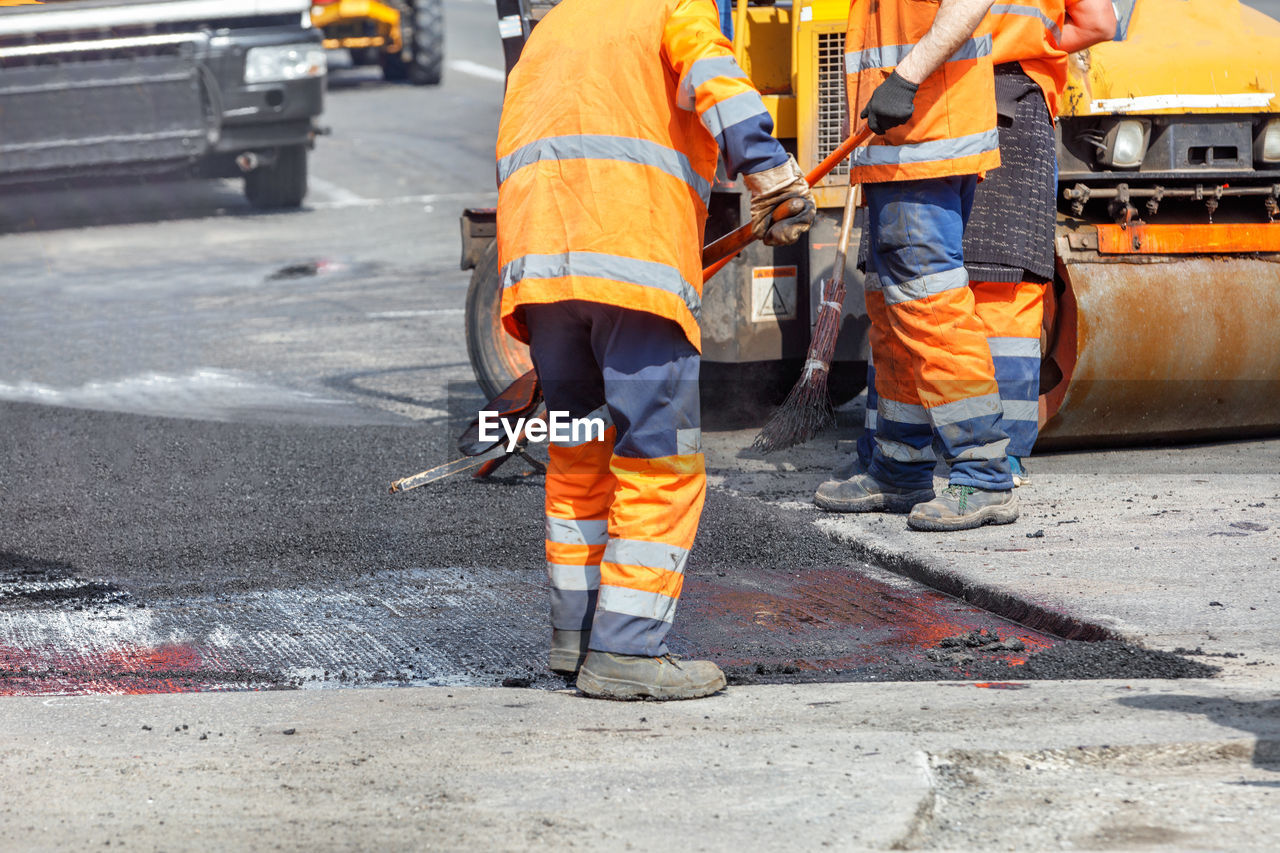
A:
[(773, 294)]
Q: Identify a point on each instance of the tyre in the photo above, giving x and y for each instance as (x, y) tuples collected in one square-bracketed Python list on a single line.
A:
[(365, 55), (422, 33), (283, 183), (497, 359)]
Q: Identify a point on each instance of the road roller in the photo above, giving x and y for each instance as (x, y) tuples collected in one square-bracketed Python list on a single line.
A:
[(1163, 323)]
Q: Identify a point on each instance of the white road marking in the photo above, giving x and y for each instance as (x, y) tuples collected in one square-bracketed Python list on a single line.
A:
[(404, 199), (475, 69), (404, 315), (337, 194)]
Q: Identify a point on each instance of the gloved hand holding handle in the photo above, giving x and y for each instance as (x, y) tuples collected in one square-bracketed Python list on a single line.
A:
[(717, 254), (782, 206), (891, 104)]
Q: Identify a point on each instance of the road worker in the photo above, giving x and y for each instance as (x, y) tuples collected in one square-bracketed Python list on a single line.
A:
[(920, 76), (611, 128), (1008, 242)]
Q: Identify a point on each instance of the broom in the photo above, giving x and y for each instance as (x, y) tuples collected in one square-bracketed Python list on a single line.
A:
[(807, 408)]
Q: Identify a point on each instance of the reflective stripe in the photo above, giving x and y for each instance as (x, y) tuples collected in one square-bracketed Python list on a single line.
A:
[(576, 578), (1030, 12), (571, 531), (1022, 410), (600, 265), (651, 555), (965, 410), (885, 56), (899, 452), (688, 441), (1014, 347), (731, 111), (928, 152), (626, 149), (995, 450), (903, 413), (702, 71), (634, 602), (925, 286), (870, 422), (889, 55), (871, 281)]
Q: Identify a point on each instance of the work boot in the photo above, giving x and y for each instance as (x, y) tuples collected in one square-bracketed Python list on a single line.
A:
[(849, 466), (1021, 476), (963, 508), (864, 493), (568, 649), (605, 675)]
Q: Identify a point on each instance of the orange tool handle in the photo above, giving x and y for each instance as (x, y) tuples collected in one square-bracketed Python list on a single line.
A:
[(716, 255)]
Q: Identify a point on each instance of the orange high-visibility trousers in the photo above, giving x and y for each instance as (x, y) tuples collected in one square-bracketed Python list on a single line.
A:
[(622, 511)]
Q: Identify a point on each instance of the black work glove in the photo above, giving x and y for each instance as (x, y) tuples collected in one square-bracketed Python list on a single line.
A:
[(891, 104)]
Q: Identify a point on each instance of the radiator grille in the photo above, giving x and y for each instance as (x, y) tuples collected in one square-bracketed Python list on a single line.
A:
[(831, 96)]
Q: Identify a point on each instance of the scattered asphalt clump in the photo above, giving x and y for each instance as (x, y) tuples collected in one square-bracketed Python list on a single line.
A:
[(1068, 659)]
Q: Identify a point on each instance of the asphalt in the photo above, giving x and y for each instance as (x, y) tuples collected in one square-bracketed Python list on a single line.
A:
[(1171, 547), (221, 554)]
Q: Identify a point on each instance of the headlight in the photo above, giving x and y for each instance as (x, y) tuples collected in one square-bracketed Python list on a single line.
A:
[(1125, 145), (285, 62), (1266, 147)]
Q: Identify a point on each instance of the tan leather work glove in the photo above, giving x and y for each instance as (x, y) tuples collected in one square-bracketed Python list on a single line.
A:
[(782, 206)]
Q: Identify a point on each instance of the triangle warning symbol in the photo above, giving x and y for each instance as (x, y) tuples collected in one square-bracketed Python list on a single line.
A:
[(773, 304)]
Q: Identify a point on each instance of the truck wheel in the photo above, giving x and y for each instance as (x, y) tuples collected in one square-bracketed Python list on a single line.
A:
[(283, 183), (428, 43), (422, 32), (365, 55), (497, 359)]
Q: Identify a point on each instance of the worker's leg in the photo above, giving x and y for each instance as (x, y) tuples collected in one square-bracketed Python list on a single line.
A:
[(579, 483), (651, 384), (650, 373), (918, 227), (898, 471), (1012, 313)]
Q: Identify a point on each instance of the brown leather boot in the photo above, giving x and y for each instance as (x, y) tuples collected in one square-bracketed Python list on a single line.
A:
[(605, 675)]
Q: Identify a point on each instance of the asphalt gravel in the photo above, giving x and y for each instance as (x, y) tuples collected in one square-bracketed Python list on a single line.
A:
[(144, 553)]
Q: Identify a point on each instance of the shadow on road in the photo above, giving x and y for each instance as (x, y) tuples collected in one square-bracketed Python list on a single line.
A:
[(97, 203), (1260, 719)]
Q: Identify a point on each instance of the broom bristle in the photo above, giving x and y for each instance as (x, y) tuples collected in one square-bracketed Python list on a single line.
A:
[(807, 408)]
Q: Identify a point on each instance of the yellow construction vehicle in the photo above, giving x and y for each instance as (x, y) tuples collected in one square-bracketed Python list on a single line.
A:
[(1164, 319), (405, 37)]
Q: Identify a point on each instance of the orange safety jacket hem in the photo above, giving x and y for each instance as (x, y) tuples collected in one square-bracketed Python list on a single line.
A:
[(952, 130)]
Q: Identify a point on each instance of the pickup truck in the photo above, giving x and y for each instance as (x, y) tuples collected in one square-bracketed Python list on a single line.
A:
[(161, 88)]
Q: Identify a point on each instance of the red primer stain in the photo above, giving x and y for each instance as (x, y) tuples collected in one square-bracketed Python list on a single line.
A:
[(126, 670)]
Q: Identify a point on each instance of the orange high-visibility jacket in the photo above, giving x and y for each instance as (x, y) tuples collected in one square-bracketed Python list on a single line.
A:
[(1028, 32), (607, 151), (953, 128)]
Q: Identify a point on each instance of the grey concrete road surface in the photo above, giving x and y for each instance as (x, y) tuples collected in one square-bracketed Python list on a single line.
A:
[(200, 409)]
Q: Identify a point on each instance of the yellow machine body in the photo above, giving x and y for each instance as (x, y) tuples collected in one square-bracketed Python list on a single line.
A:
[(1205, 56), (358, 24)]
